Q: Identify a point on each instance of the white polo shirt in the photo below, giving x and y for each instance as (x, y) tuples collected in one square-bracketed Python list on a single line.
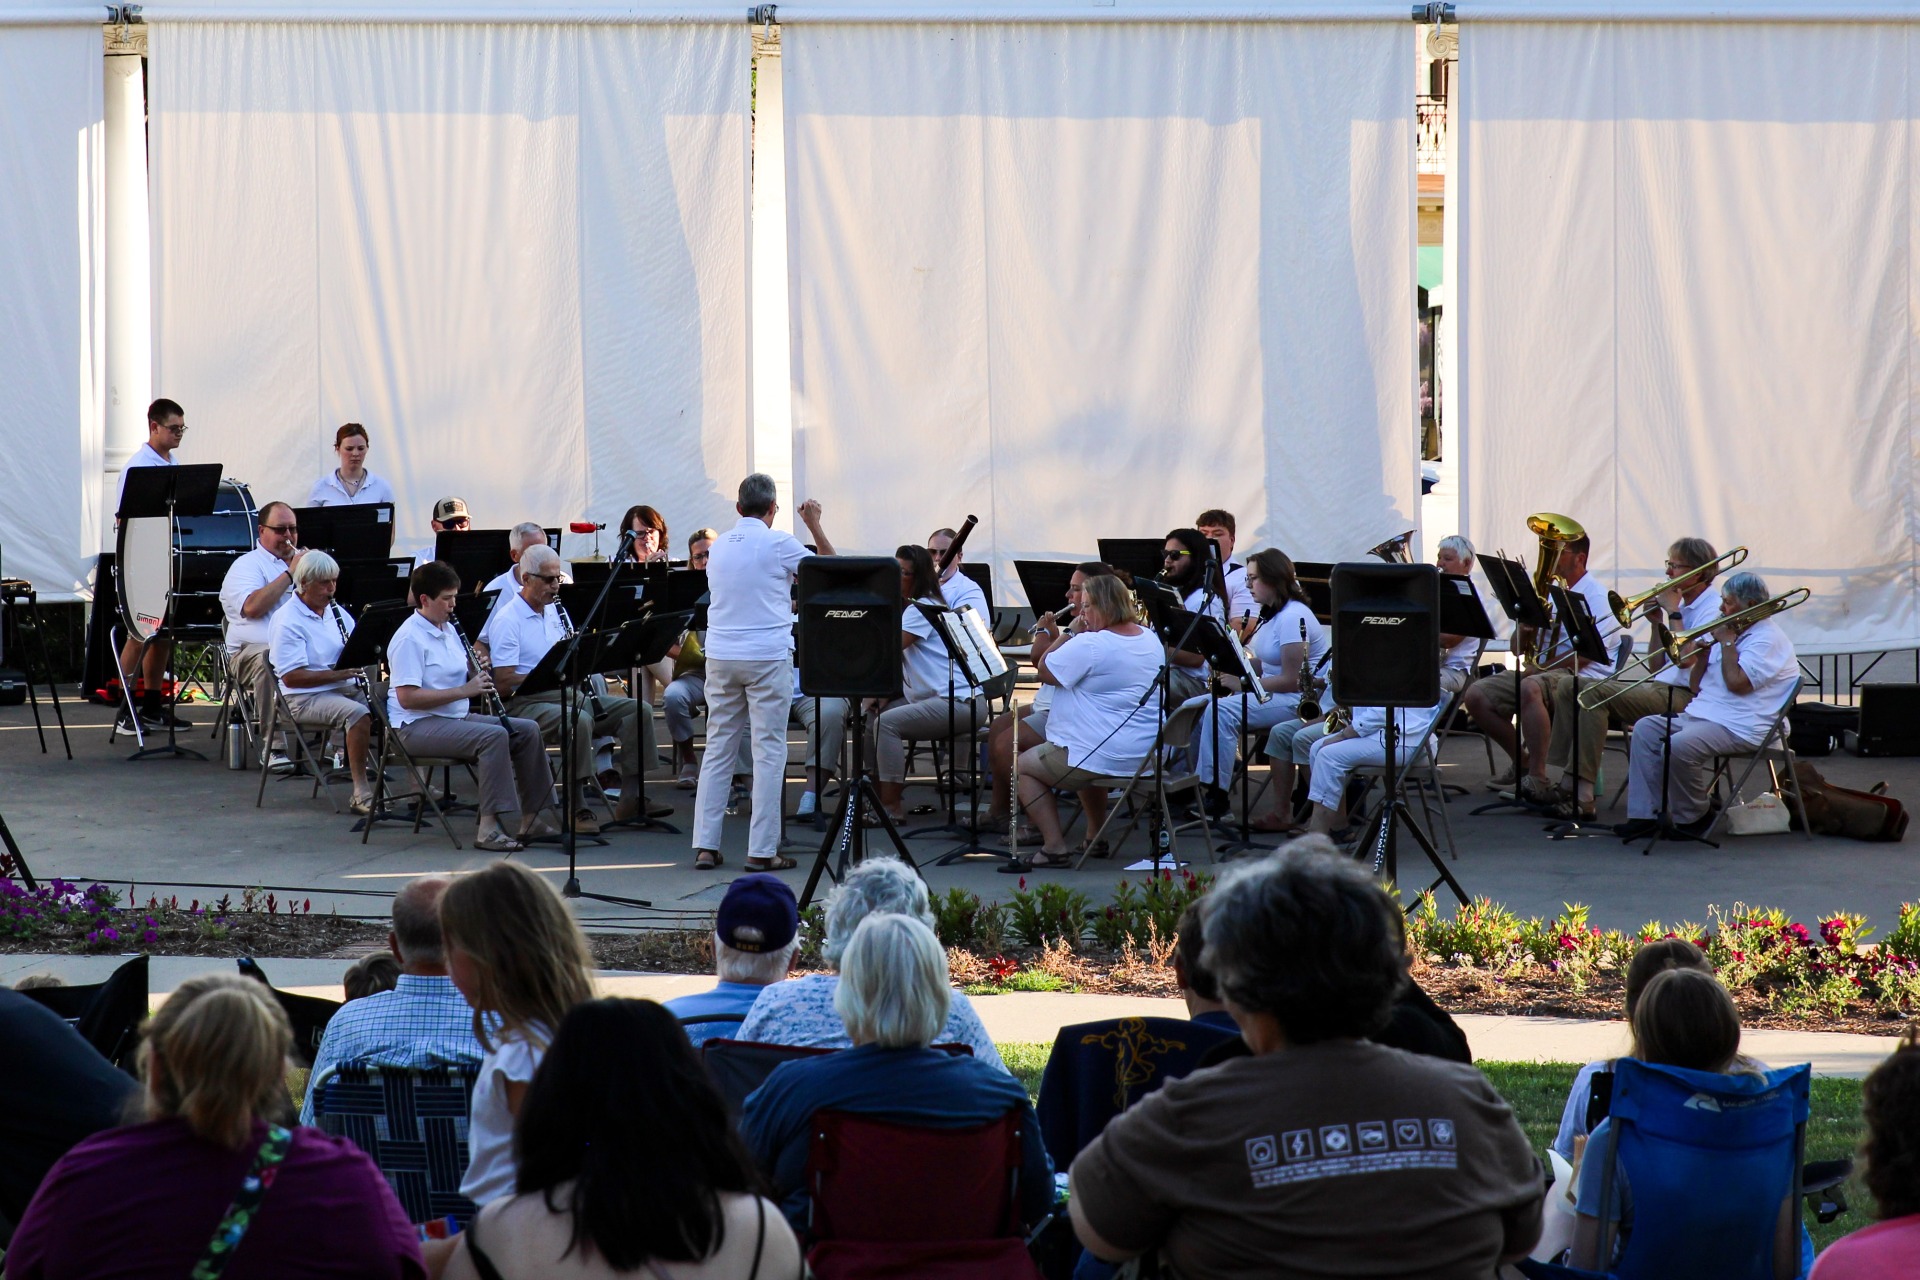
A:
[(1240, 601), (1704, 608), (518, 637), (329, 491), (926, 663), (245, 576), (1767, 656), (145, 456), (426, 657), (301, 640), (961, 590), (1594, 592), (749, 577)]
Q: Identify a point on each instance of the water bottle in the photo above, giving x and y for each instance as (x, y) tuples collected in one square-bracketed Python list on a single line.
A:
[(236, 745)]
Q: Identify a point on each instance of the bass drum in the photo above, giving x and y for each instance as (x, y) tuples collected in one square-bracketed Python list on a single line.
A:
[(170, 569)]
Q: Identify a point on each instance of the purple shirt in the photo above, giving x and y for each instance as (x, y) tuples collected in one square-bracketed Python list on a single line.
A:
[(140, 1203)]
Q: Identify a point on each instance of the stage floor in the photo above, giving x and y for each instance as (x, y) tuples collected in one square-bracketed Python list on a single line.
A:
[(161, 824)]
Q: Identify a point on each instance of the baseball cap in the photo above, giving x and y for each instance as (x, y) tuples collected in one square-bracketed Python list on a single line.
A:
[(760, 902), (449, 509)]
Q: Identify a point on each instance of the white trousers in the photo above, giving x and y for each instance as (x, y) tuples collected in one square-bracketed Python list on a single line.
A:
[(1217, 746), (749, 699), (1695, 743), (1334, 760)]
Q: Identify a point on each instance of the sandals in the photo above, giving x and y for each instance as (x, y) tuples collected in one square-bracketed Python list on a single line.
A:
[(706, 859), (778, 862), (1274, 824), (498, 842), (1044, 861)]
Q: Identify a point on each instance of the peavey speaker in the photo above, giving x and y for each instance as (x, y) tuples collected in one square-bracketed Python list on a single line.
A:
[(1386, 634), (1889, 720), (849, 639)]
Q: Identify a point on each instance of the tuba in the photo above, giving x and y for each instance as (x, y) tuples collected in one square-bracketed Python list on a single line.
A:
[(1555, 532)]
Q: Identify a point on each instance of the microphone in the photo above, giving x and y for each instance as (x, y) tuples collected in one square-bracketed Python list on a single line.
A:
[(584, 526)]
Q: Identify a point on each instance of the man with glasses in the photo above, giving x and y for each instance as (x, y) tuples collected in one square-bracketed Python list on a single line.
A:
[(518, 636), (166, 427), (1185, 567), (448, 513), (256, 585)]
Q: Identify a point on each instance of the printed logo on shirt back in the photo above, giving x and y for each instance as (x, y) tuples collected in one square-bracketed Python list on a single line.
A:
[(1262, 1152), (1350, 1150)]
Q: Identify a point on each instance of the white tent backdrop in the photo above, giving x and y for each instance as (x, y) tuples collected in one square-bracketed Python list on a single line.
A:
[(517, 253), (1687, 303), (51, 307), (1091, 279)]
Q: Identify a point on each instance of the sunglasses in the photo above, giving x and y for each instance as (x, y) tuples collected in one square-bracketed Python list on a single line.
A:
[(1175, 555), (458, 522), (550, 578), (287, 529)]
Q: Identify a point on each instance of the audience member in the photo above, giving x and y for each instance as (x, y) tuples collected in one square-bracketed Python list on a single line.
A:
[(1311, 1147), (370, 975), (893, 995), (1648, 962), (213, 1175), (55, 1089), (756, 934), (803, 1011), (520, 960), (627, 1161), (1890, 1100), (422, 1022), (1684, 1018), (1198, 987)]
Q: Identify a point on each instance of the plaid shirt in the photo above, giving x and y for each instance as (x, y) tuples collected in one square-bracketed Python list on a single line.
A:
[(420, 1023)]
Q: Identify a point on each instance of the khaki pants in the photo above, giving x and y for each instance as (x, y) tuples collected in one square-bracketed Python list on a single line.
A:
[(251, 672), (1649, 699), (512, 766), (620, 717), (922, 721)]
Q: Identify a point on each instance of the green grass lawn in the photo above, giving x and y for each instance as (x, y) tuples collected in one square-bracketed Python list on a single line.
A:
[(1537, 1091)]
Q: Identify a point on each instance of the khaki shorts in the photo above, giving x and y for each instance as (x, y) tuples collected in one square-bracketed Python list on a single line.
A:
[(1050, 759)]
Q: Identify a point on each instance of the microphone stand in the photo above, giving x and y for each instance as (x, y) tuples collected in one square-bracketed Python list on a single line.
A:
[(568, 837), (1667, 828)]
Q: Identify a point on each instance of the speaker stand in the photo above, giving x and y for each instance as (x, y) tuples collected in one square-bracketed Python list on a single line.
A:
[(846, 842)]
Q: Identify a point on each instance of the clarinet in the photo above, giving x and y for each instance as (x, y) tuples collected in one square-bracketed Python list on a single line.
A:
[(566, 628), (495, 707), (359, 674)]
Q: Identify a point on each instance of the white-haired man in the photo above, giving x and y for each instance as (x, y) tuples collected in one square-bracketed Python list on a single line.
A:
[(1455, 556), (304, 643), (522, 538), (756, 934), (518, 635), (1740, 686)]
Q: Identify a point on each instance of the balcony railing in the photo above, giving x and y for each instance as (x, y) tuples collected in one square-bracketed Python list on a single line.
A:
[(1430, 134)]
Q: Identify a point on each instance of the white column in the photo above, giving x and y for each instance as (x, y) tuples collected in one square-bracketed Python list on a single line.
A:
[(129, 355), (772, 443)]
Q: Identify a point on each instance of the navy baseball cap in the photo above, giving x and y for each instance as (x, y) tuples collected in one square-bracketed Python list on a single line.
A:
[(761, 902)]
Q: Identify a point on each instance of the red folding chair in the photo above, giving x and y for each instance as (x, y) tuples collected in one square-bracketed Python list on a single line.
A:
[(893, 1199)]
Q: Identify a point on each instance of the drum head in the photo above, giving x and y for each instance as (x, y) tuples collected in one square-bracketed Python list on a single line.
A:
[(145, 565)]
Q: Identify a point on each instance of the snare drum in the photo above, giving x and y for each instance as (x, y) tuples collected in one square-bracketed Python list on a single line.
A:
[(170, 569)]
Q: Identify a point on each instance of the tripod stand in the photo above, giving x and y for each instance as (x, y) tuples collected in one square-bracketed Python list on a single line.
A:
[(1514, 590), (1393, 812), (14, 862), (846, 842), (14, 593)]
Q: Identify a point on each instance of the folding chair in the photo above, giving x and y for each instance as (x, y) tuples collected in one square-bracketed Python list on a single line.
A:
[(392, 751), (891, 1199), (412, 1122), (308, 1015), (106, 1014), (1779, 739), (1175, 734), (1709, 1159), (1098, 1069), (298, 749), (738, 1067), (1425, 757)]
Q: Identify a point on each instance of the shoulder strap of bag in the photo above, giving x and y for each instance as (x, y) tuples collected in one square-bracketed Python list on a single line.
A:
[(239, 1215), (481, 1262)]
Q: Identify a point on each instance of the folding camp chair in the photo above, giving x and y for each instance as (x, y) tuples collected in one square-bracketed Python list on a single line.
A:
[(106, 1014), (890, 1199), (419, 772), (1776, 749), (1098, 1069), (279, 719), (1709, 1159), (308, 1015), (738, 1067), (413, 1123)]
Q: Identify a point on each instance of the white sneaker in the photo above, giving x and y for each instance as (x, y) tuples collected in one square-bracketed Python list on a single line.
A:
[(808, 805)]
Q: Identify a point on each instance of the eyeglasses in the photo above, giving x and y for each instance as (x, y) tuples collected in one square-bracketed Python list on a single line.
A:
[(178, 428), (286, 530), (551, 578), (1175, 555)]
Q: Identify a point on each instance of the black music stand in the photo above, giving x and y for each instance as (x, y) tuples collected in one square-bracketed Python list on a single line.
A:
[(1316, 579), (362, 531), (1176, 627), (624, 602), (1513, 589), (477, 555), (367, 646), (687, 589), (1577, 618), (172, 492), (1046, 583), (369, 582), (1225, 653), (15, 862), (1141, 557), (1665, 828), (15, 593), (960, 658)]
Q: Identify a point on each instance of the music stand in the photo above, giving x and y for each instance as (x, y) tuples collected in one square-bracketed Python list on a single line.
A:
[(477, 555), (624, 602), (169, 492), (1224, 652), (1141, 557), (357, 532), (972, 653), (1316, 578), (17, 594), (1577, 620), (368, 582), (367, 646), (1513, 589), (1045, 583)]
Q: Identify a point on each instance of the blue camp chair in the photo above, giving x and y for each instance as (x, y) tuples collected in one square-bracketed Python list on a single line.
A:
[(1099, 1069), (414, 1123), (1708, 1159)]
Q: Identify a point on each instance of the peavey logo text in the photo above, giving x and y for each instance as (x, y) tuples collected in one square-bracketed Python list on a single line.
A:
[(1380, 620), (848, 613)]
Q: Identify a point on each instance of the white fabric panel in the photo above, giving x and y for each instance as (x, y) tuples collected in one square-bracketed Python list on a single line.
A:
[(51, 307), (1687, 305), (1087, 281), (516, 253)]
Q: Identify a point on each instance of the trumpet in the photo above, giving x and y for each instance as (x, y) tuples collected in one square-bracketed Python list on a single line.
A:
[(1674, 644), (495, 707), (1625, 609)]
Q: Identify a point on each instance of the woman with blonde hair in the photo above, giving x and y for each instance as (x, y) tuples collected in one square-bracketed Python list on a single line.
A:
[(215, 1180), (520, 960)]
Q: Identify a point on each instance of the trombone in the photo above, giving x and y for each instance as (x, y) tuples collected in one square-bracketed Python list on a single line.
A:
[(1625, 609), (1673, 645)]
